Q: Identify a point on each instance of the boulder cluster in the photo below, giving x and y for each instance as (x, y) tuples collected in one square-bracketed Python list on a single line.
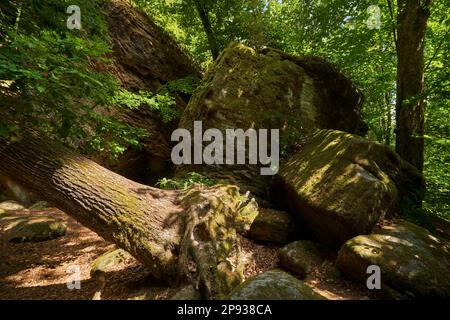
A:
[(344, 197)]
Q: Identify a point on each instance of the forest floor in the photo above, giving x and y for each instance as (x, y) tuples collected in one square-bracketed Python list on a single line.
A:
[(39, 270)]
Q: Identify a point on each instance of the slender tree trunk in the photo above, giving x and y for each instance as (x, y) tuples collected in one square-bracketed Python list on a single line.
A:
[(387, 101), (412, 20), (204, 17), (190, 234)]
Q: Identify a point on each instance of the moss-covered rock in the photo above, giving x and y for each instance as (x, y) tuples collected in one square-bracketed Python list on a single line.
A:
[(273, 226), (40, 205), (268, 89), (341, 185), (413, 262), (31, 228), (274, 285), (302, 257), (10, 206), (187, 293), (109, 261)]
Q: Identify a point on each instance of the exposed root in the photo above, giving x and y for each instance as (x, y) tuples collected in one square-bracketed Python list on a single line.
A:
[(210, 252)]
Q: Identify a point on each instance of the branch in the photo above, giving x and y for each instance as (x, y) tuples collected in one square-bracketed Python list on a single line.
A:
[(437, 50), (391, 12)]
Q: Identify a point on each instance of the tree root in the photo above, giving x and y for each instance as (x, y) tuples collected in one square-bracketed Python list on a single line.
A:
[(210, 253)]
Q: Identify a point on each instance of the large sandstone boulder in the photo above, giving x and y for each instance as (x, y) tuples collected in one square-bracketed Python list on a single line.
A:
[(269, 89), (274, 285), (412, 261), (341, 185)]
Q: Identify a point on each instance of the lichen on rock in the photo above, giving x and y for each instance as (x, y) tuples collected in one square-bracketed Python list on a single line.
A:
[(413, 261), (274, 285), (302, 256), (249, 89), (24, 227), (341, 185)]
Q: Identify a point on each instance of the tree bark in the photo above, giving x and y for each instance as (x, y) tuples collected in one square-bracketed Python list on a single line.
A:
[(192, 234), (412, 20)]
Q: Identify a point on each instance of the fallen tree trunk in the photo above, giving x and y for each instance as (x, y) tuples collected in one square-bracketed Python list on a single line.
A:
[(173, 233)]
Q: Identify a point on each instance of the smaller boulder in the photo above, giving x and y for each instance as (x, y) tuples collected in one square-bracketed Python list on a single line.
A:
[(109, 261), (274, 285), (19, 227), (273, 226), (40, 205), (413, 262), (302, 257), (10, 206), (187, 293)]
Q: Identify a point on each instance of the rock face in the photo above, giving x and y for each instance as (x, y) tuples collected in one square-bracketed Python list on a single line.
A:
[(302, 256), (268, 89), (341, 185), (412, 261), (30, 227), (144, 58), (274, 285), (273, 226)]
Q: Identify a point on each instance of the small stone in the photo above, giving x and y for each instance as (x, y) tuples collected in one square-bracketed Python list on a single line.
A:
[(109, 261), (187, 293), (302, 257), (273, 226), (41, 205)]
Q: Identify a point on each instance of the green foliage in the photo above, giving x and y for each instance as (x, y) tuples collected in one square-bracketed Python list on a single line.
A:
[(163, 103), (49, 79), (185, 85), (437, 125), (337, 30), (185, 183)]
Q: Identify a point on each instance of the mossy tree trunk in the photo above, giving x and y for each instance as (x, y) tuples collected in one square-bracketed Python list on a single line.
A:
[(190, 234)]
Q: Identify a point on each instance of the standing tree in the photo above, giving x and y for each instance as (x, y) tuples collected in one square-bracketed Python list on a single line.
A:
[(200, 6), (412, 23)]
